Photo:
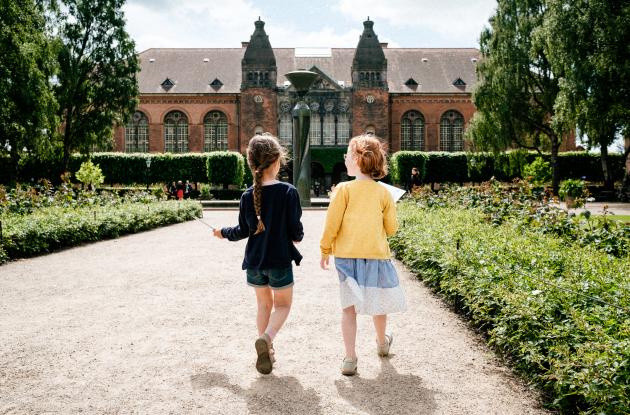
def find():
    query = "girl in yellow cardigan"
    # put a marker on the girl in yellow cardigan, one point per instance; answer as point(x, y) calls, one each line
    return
point(360, 217)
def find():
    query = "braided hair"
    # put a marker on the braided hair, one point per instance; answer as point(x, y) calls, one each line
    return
point(263, 151)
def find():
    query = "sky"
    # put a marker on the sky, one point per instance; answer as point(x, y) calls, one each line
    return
point(321, 23)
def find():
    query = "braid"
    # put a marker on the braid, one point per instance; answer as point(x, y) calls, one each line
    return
point(258, 199)
point(262, 152)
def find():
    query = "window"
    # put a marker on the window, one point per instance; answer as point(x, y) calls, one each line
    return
point(167, 84)
point(215, 131)
point(137, 134)
point(329, 129)
point(176, 132)
point(412, 131)
point(315, 132)
point(343, 129)
point(452, 131)
point(286, 130)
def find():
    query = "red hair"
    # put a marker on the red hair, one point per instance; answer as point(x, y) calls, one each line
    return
point(369, 151)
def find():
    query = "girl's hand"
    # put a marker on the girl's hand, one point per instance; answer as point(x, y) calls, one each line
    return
point(323, 263)
point(217, 233)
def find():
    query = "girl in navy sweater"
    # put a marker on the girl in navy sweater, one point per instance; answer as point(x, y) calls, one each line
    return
point(269, 216)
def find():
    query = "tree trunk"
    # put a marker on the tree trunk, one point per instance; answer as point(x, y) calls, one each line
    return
point(624, 192)
point(67, 139)
point(608, 180)
point(555, 168)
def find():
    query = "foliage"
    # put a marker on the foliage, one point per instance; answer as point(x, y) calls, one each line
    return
point(537, 172)
point(557, 310)
point(97, 73)
point(587, 41)
point(328, 157)
point(402, 162)
point(225, 168)
point(55, 227)
point(445, 167)
point(27, 102)
point(517, 87)
point(574, 188)
point(90, 174)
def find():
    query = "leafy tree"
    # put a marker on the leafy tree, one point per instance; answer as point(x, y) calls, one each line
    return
point(97, 78)
point(27, 102)
point(587, 41)
point(517, 88)
point(90, 174)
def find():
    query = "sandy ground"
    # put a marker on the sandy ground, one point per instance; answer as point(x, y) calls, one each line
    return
point(163, 322)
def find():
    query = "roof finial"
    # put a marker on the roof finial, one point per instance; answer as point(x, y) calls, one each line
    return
point(258, 18)
point(368, 18)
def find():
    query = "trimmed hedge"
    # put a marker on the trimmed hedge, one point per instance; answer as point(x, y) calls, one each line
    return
point(402, 162)
point(52, 228)
point(225, 168)
point(479, 167)
point(560, 313)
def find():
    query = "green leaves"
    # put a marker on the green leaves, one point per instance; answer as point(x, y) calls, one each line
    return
point(225, 168)
point(558, 310)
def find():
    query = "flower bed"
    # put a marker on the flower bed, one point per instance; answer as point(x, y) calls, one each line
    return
point(560, 311)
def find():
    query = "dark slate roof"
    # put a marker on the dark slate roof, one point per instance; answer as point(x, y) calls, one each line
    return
point(369, 54)
point(191, 75)
point(259, 51)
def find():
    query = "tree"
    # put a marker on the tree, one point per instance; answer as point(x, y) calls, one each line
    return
point(97, 78)
point(587, 41)
point(517, 88)
point(27, 102)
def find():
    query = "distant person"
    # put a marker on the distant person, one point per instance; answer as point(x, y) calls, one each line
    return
point(269, 217)
point(180, 190)
point(414, 181)
point(188, 189)
point(172, 190)
point(360, 217)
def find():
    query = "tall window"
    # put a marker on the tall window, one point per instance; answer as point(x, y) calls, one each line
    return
point(343, 129)
point(452, 131)
point(215, 131)
point(286, 129)
point(329, 129)
point(176, 132)
point(137, 134)
point(315, 132)
point(412, 131)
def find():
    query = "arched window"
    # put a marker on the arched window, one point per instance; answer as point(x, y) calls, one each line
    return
point(343, 129)
point(315, 132)
point(452, 131)
point(215, 131)
point(329, 129)
point(286, 129)
point(137, 134)
point(412, 131)
point(176, 132)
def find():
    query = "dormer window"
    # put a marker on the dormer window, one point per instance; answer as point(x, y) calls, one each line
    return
point(216, 84)
point(167, 84)
point(459, 82)
point(411, 83)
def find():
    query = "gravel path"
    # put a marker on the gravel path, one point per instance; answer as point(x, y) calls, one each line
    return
point(163, 322)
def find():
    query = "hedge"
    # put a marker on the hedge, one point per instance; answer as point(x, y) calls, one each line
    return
point(559, 313)
point(123, 168)
point(225, 168)
point(51, 228)
point(402, 162)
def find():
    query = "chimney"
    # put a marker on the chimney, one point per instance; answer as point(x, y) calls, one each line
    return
point(384, 45)
point(244, 44)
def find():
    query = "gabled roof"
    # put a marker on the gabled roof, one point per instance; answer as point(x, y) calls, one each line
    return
point(191, 75)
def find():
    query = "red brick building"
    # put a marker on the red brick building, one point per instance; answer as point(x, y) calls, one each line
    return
point(216, 99)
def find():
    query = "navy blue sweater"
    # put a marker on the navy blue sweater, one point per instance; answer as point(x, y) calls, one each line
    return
point(281, 213)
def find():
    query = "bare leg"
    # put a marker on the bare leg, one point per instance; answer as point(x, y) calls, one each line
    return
point(265, 304)
point(349, 331)
point(380, 324)
point(282, 300)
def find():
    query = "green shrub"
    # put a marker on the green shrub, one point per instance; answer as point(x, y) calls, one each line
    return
point(90, 174)
point(480, 166)
point(52, 228)
point(446, 167)
point(559, 312)
point(538, 172)
point(225, 168)
point(402, 162)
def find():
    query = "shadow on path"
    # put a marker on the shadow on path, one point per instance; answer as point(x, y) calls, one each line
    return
point(267, 394)
point(388, 393)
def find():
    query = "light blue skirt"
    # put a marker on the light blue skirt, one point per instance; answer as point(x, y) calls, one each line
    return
point(370, 285)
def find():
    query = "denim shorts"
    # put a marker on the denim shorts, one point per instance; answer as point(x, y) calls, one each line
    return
point(276, 278)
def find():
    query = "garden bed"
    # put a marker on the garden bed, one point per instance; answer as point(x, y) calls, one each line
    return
point(560, 311)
